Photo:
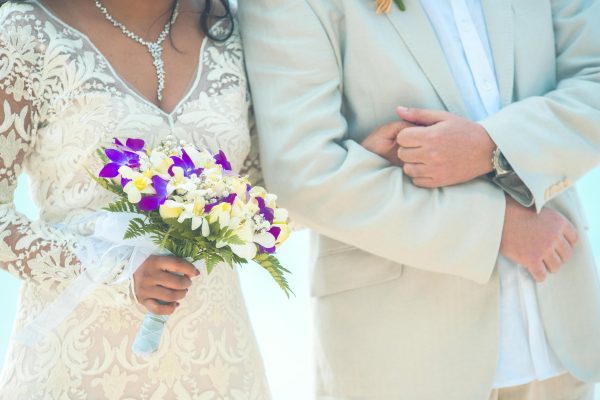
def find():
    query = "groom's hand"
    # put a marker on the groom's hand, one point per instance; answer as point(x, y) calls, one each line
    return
point(542, 242)
point(444, 149)
point(161, 282)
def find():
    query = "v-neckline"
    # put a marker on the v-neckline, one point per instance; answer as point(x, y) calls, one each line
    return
point(128, 86)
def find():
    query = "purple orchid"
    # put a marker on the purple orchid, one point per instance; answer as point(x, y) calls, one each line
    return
point(153, 202)
point(131, 144)
point(275, 231)
point(222, 160)
point(118, 159)
point(267, 213)
point(124, 182)
point(186, 164)
point(126, 156)
point(229, 199)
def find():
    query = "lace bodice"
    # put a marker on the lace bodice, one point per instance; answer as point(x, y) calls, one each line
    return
point(61, 100)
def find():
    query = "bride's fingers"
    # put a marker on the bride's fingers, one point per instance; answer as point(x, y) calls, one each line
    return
point(164, 294)
point(177, 265)
point(393, 129)
point(171, 281)
point(155, 307)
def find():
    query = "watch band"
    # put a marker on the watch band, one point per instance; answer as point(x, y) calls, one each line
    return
point(500, 163)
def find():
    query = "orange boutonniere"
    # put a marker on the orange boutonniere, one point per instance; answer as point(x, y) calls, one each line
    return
point(385, 6)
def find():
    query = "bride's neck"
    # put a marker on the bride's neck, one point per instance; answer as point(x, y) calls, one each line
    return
point(142, 13)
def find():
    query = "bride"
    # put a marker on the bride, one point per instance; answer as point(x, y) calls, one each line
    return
point(73, 74)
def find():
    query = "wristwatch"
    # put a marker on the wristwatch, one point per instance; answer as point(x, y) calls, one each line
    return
point(500, 163)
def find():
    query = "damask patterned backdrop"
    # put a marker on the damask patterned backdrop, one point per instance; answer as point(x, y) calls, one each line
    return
point(282, 326)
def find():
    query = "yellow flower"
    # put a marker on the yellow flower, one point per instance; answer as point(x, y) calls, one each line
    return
point(281, 216)
point(284, 235)
point(258, 191)
point(221, 213)
point(271, 200)
point(170, 210)
point(162, 168)
point(199, 204)
point(178, 176)
point(139, 184)
point(238, 187)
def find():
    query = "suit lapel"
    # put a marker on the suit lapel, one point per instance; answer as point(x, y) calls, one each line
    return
point(416, 31)
point(418, 35)
point(500, 27)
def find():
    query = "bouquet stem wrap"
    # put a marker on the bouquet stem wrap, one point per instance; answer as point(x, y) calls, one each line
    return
point(148, 337)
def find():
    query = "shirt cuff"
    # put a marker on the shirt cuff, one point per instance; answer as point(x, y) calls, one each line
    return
point(515, 188)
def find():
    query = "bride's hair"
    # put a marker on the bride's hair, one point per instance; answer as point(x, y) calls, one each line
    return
point(208, 18)
point(210, 14)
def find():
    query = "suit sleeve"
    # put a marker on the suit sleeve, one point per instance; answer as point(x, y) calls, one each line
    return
point(553, 140)
point(332, 184)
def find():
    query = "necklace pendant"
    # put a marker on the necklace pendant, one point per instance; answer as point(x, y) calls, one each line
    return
point(155, 50)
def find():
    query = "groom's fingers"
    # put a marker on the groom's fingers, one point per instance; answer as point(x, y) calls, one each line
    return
point(538, 272)
point(411, 155)
point(414, 170)
point(411, 137)
point(427, 183)
point(420, 116)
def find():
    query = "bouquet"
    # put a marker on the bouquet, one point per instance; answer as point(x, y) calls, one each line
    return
point(190, 203)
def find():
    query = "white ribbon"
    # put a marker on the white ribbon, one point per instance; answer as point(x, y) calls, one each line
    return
point(101, 255)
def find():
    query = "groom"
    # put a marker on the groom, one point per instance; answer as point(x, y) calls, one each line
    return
point(462, 272)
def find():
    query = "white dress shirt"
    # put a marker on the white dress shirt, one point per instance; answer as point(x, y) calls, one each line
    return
point(525, 354)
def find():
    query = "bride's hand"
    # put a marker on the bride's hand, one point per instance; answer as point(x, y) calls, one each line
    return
point(382, 141)
point(161, 282)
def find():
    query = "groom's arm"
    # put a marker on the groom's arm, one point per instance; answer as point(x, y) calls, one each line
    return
point(553, 140)
point(550, 140)
point(333, 184)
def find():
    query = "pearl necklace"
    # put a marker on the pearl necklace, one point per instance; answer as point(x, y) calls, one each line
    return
point(155, 48)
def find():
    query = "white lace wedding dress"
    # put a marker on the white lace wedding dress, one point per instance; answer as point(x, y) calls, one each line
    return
point(61, 100)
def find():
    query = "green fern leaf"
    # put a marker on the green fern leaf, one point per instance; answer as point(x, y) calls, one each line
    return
point(102, 155)
point(136, 228)
point(212, 259)
point(122, 206)
point(276, 270)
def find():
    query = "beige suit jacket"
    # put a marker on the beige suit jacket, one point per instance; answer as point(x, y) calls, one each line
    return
point(404, 278)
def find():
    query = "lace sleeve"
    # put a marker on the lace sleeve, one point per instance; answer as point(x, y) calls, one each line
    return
point(30, 250)
point(27, 249)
